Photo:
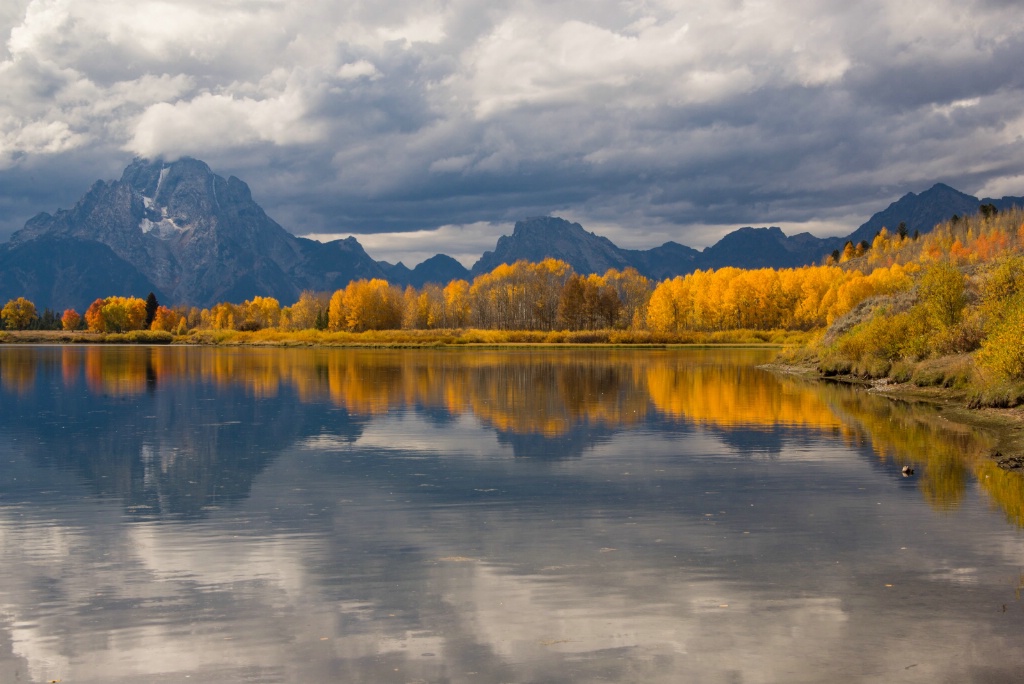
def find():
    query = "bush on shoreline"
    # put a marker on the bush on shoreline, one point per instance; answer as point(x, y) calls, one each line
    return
point(960, 327)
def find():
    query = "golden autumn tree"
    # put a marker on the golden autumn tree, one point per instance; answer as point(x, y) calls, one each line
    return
point(121, 314)
point(310, 311)
point(18, 314)
point(368, 305)
point(94, 316)
point(664, 308)
point(519, 296)
point(424, 310)
point(116, 314)
point(71, 320)
point(220, 316)
point(258, 313)
point(943, 292)
point(457, 306)
point(166, 319)
point(337, 317)
point(764, 299)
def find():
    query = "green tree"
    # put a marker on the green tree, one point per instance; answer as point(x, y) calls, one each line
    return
point(49, 320)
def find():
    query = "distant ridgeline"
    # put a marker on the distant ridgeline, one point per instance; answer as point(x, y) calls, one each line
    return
point(194, 238)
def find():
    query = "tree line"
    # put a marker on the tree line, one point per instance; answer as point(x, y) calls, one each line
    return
point(542, 296)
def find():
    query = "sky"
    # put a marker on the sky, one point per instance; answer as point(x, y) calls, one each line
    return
point(432, 126)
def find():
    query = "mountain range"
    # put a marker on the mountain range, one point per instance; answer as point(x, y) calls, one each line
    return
point(192, 237)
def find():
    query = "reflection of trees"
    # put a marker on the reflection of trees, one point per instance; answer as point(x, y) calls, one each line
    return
point(1005, 488)
point(117, 371)
point(944, 454)
point(18, 370)
point(524, 393)
point(541, 402)
point(727, 394)
point(550, 396)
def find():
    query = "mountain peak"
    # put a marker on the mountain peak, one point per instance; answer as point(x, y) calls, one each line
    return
point(197, 237)
point(542, 237)
point(534, 224)
point(920, 212)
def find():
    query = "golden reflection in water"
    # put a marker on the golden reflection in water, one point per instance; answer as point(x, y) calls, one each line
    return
point(70, 366)
point(731, 395)
point(18, 370)
point(117, 374)
point(549, 392)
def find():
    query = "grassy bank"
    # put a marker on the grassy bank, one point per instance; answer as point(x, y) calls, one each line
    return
point(84, 337)
point(416, 338)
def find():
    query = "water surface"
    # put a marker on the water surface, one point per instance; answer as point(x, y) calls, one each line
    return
point(221, 515)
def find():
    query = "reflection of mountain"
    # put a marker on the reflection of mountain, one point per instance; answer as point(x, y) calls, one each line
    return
point(167, 448)
point(570, 444)
point(756, 442)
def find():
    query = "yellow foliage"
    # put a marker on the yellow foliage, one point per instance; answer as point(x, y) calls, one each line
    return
point(1002, 352)
point(18, 313)
point(765, 299)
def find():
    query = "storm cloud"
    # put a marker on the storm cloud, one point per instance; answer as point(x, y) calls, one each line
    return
point(422, 127)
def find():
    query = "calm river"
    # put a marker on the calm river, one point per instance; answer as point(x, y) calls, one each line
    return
point(479, 516)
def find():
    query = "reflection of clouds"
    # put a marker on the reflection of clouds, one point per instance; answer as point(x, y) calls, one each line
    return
point(220, 559)
point(237, 598)
point(408, 431)
point(503, 611)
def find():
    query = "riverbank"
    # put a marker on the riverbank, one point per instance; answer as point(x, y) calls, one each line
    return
point(1005, 425)
point(417, 338)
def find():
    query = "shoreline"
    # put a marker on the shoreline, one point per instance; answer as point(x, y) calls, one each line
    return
point(414, 339)
point(1006, 425)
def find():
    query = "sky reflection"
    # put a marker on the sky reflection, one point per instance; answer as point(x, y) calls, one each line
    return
point(207, 530)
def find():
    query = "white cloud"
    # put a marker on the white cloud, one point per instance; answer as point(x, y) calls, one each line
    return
point(360, 69)
point(38, 137)
point(214, 122)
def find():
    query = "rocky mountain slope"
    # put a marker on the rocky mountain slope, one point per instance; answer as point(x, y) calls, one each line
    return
point(193, 237)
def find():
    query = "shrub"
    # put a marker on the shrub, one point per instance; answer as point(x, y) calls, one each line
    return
point(953, 371)
point(1002, 353)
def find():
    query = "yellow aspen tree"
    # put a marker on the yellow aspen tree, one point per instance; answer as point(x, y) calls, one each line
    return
point(337, 315)
point(456, 304)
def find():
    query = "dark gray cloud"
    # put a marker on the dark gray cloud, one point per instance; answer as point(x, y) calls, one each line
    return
point(645, 121)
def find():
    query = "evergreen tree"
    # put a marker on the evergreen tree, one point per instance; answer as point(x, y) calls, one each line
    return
point(151, 306)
